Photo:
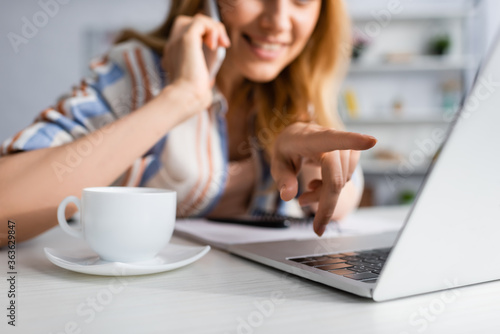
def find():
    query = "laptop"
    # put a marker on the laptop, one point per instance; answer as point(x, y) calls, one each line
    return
point(449, 236)
point(451, 232)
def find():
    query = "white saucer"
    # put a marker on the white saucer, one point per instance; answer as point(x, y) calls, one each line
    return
point(87, 262)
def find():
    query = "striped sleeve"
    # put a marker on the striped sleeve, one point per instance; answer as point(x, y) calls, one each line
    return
point(75, 115)
point(122, 81)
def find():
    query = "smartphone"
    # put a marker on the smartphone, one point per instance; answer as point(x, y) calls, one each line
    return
point(215, 58)
point(263, 219)
point(256, 221)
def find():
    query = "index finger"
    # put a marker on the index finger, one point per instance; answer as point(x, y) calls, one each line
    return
point(333, 140)
point(211, 30)
point(333, 182)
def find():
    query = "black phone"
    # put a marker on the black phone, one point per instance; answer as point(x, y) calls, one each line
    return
point(262, 219)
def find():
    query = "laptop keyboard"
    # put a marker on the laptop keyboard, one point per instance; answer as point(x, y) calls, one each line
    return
point(361, 266)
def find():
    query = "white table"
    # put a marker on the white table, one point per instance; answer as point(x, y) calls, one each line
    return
point(222, 293)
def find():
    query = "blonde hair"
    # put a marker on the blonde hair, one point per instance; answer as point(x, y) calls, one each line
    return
point(306, 90)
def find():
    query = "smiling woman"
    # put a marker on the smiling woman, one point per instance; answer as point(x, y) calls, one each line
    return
point(292, 54)
point(229, 147)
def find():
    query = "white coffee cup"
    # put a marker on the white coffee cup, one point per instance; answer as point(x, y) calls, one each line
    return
point(123, 224)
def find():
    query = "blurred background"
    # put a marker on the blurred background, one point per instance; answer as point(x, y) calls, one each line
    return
point(413, 62)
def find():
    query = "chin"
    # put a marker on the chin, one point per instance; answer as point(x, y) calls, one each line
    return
point(261, 74)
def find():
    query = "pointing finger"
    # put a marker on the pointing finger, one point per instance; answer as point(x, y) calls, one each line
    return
point(333, 182)
point(332, 140)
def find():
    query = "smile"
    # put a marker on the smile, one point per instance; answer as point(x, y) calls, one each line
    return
point(263, 49)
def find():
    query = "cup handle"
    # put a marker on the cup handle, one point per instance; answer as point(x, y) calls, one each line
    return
point(75, 232)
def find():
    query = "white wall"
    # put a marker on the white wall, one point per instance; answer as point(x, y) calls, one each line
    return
point(52, 61)
point(492, 19)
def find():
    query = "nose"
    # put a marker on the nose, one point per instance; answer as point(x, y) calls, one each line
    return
point(276, 15)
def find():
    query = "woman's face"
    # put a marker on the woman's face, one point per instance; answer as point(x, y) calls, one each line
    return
point(267, 35)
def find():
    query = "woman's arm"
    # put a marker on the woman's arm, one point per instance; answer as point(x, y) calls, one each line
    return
point(32, 188)
point(33, 183)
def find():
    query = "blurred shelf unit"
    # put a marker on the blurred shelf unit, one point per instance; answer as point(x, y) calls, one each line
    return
point(416, 64)
point(398, 121)
point(412, 61)
point(412, 65)
point(409, 56)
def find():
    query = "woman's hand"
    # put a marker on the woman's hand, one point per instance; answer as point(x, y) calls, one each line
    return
point(183, 56)
point(336, 152)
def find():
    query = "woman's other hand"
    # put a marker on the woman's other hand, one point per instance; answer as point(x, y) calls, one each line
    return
point(184, 60)
point(335, 152)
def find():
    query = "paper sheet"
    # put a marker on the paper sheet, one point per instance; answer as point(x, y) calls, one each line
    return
point(220, 235)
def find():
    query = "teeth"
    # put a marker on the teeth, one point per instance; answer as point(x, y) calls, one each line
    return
point(267, 46)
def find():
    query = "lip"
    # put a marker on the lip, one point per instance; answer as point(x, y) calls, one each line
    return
point(266, 40)
point(275, 49)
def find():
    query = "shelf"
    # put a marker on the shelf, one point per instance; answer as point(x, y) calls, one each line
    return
point(395, 121)
point(387, 167)
point(419, 64)
point(415, 15)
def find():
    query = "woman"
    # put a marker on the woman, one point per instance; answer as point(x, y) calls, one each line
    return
point(150, 117)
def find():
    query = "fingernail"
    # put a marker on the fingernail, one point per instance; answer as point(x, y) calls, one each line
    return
point(282, 189)
point(321, 230)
